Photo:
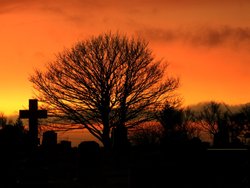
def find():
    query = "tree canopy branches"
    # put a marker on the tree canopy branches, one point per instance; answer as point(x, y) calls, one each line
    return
point(109, 80)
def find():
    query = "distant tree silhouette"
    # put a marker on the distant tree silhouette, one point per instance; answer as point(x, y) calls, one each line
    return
point(240, 124)
point(246, 111)
point(190, 125)
point(146, 135)
point(179, 123)
point(3, 120)
point(209, 117)
point(19, 123)
point(172, 120)
point(13, 137)
point(109, 81)
point(215, 122)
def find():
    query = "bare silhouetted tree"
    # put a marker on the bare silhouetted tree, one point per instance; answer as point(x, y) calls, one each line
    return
point(246, 111)
point(149, 134)
point(179, 123)
point(215, 121)
point(240, 124)
point(3, 120)
point(209, 116)
point(107, 81)
point(190, 124)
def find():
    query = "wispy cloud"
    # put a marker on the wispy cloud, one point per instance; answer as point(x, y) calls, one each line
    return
point(74, 11)
point(10, 6)
point(121, 14)
point(201, 36)
point(54, 6)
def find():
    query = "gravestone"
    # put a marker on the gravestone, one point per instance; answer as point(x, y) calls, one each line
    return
point(88, 151)
point(33, 114)
point(65, 145)
point(89, 154)
point(120, 138)
point(49, 139)
point(88, 162)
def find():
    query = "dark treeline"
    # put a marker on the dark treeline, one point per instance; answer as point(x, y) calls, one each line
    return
point(159, 153)
point(171, 154)
point(218, 124)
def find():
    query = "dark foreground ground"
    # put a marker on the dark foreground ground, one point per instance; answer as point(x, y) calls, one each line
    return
point(138, 167)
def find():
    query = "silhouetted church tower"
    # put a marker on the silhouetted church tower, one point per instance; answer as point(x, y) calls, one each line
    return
point(33, 114)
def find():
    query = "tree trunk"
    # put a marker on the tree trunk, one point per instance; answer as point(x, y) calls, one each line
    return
point(106, 139)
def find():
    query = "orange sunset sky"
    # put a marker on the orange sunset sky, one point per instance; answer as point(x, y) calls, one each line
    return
point(205, 42)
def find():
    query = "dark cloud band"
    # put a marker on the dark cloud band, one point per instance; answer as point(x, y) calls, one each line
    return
point(201, 36)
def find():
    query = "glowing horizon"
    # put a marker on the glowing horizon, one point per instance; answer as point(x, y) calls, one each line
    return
point(205, 43)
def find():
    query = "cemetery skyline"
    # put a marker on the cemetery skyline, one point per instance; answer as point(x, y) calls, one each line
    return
point(206, 43)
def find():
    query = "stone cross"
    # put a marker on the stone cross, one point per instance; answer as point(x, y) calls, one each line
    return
point(33, 114)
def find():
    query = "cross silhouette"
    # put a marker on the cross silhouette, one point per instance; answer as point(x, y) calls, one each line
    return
point(33, 114)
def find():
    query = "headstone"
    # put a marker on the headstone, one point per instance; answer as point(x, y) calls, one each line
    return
point(49, 139)
point(33, 114)
point(89, 153)
point(88, 150)
point(88, 161)
point(120, 138)
point(65, 146)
